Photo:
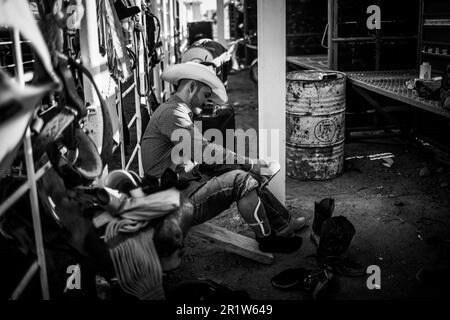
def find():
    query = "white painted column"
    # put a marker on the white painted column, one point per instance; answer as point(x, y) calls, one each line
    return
point(165, 37)
point(156, 10)
point(31, 176)
point(171, 32)
point(272, 87)
point(220, 22)
point(139, 77)
point(139, 51)
point(183, 26)
point(226, 22)
point(91, 59)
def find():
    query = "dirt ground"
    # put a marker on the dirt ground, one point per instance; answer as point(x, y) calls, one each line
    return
point(402, 222)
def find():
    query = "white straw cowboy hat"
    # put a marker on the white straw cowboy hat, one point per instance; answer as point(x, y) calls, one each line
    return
point(198, 72)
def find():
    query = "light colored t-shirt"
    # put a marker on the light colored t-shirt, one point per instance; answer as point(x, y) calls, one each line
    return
point(158, 141)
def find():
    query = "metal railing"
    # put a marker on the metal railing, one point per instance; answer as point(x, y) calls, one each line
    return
point(161, 90)
point(29, 186)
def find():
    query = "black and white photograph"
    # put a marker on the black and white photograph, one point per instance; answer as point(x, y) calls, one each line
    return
point(228, 159)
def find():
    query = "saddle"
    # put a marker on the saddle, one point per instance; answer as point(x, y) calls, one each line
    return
point(56, 129)
point(17, 105)
point(75, 159)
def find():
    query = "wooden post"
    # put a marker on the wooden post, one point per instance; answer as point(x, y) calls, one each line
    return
point(90, 56)
point(123, 160)
point(183, 26)
point(245, 4)
point(335, 34)
point(272, 87)
point(232, 242)
point(220, 22)
point(378, 45)
point(171, 32)
point(139, 74)
point(31, 177)
point(330, 35)
point(165, 39)
point(420, 34)
point(139, 51)
point(156, 10)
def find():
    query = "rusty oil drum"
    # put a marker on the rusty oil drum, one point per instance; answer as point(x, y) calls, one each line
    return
point(315, 124)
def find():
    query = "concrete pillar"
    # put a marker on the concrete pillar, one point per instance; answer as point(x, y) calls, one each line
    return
point(220, 22)
point(272, 87)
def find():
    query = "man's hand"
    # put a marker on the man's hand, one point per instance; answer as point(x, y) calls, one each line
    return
point(264, 170)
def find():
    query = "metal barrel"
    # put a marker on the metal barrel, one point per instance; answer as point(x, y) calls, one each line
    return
point(315, 124)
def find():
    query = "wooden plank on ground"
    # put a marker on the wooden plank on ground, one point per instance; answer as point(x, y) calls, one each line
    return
point(232, 242)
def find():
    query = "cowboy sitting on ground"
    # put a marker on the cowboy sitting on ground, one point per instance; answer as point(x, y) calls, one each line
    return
point(225, 184)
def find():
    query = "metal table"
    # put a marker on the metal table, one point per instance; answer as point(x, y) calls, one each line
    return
point(314, 62)
point(392, 84)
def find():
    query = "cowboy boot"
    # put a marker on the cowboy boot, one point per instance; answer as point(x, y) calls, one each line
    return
point(280, 218)
point(277, 244)
point(322, 211)
point(335, 239)
point(316, 281)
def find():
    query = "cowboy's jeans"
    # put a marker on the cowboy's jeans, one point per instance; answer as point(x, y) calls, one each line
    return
point(220, 185)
